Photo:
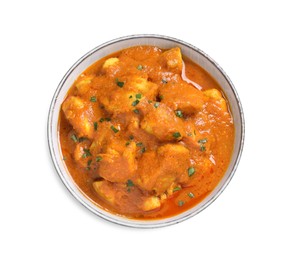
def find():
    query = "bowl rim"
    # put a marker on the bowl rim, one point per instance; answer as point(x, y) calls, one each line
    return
point(126, 221)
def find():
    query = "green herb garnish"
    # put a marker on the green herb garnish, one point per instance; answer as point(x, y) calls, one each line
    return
point(176, 135)
point(93, 99)
point(131, 137)
point(86, 153)
point(98, 158)
point(127, 143)
point(136, 111)
point(176, 189)
point(82, 139)
point(164, 81)
point(191, 195)
point(157, 104)
point(89, 162)
point(139, 144)
point(178, 113)
point(143, 149)
point(104, 119)
point(134, 103)
point(161, 97)
point(180, 203)
point(114, 129)
point(74, 138)
point(203, 141)
point(95, 125)
point(191, 171)
point(119, 83)
point(138, 96)
point(130, 183)
point(139, 67)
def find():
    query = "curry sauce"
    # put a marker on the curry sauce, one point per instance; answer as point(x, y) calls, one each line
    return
point(146, 133)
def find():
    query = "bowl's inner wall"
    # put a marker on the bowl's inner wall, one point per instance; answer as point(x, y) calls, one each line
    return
point(189, 51)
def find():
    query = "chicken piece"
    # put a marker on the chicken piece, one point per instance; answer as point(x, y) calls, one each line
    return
point(83, 83)
point(216, 94)
point(82, 154)
point(174, 159)
point(111, 66)
point(125, 99)
point(162, 122)
point(80, 114)
point(141, 85)
point(172, 59)
point(119, 101)
point(141, 52)
point(182, 96)
point(170, 163)
point(110, 62)
point(105, 190)
point(150, 203)
point(118, 168)
point(119, 196)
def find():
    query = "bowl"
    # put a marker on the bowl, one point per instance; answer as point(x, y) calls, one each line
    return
point(188, 50)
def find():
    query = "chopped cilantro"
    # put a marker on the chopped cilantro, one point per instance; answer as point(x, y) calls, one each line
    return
point(93, 99)
point(98, 158)
point(191, 171)
point(134, 103)
point(114, 129)
point(191, 195)
point(74, 138)
point(95, 125)
point(138, 96)
point(156, 104)
point(180, 203)
point(86, 153)
point(176, 135)
point(119, 83)
point(178, 113)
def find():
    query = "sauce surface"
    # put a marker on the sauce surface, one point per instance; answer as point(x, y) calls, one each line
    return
point(146, 133)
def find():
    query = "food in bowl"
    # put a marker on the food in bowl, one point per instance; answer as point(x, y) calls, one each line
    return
point(146, 133)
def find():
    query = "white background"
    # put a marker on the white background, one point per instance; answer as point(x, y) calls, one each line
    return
point(254, 43)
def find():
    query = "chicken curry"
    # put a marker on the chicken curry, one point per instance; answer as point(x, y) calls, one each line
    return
point(146, 133)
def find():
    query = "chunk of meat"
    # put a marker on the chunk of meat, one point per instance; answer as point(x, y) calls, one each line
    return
point(125, 99)
point(80, 153)
point(150, 203)
point(105, 190)
point(80, 114)
point(83, 83)
point(141, 85)
point(115, 167)
point(162, 122)
point(172, 59)
point(216, 95)
point(110, 62)
point(119, 196)
point(119, 101)
point(170, 163)
point(182, 96)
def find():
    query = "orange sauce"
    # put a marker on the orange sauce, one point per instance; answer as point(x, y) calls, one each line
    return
point(154, 144)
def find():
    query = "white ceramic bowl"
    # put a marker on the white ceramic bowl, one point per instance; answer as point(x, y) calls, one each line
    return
point(165, 42)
